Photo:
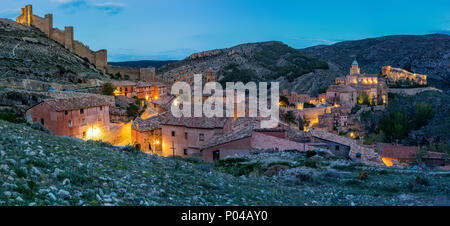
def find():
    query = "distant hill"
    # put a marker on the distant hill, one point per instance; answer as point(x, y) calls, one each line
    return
point(26, 52)
point(425, 54)
point(142, 63)
point(263, 61)
point(310, 69)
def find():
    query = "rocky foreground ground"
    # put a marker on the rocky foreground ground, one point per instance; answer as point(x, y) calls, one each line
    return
point(40, 169)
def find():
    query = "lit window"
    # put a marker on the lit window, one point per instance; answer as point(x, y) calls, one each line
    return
point(99, 118)
point(201, 137)
point(70, 123)
point(83, 122)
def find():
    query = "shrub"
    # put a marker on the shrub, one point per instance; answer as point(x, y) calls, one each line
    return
point(130, 148)
point(363, 175)
point(108, 89)
point(310, 153)
point(422, 180)
point(10, 116)
point(311, 163)
point(133, 110)
point(305, 177)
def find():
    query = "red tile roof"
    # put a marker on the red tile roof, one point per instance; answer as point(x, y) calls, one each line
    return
point(397, 151)
point(196, 122)
point(76, 103)
point(148, 124)
point(234, 135)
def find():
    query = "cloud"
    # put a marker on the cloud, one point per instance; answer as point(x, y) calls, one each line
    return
point(109, 7)
point(72, 6)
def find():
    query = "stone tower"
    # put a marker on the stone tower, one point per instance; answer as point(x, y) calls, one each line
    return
point(210, 77)
point(26, 16)
point(354, 70)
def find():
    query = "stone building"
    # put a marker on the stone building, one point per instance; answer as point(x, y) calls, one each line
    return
point(81, 117)
point(143, 90)
point(337, 119)
point(394, 75)
point(398, 155)
point(341, 95)
point(210, 77)
point(246, 139)
point(372, 85)
point(64, 37)
point(185, 136)
point(346, 147)
point(141, 74)
point(147, 135)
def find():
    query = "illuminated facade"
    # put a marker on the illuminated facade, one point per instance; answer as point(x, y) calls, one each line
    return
point(374, 86)
point(394, 75)
point(86, 118)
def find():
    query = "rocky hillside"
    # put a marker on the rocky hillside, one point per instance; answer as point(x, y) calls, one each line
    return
point(247, 62)
point(26, 52)
point(40, 169)
point(425, 54)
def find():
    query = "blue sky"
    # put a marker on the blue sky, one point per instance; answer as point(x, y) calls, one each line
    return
point(173, 29)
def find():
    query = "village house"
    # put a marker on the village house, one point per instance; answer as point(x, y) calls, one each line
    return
point(346, 147)
point(246, 139)
point(393, 154)
point(142, 90)
point(162, 104)
point(337, 119)
point(124, 88)
point(341, 95)
point(185, 136)
point(81, 117)
point(147, 134)
point(395, 75)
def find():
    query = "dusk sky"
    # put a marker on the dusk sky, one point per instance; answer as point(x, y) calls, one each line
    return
point(173, 29)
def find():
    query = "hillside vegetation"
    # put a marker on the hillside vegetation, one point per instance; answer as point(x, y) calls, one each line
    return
point(263, 61)
point(41, 169)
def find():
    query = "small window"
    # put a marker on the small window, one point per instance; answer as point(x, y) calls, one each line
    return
point(66, 112)
point(185, 151)
point(99, 118)
point(337, 147)
point(83, 122)
point(84, 134)
point(201, 137)
point(42, 121)
point(173, 133)
point(70, 123)
point(101, 108)
point(185, 136)
point(81, 111)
